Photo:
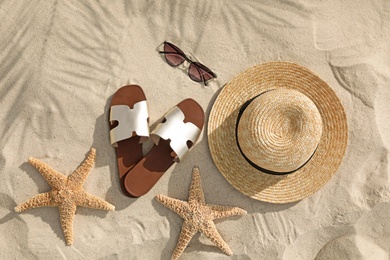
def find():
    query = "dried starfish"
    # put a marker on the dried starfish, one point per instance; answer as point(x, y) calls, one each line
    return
point(198, 216)
point(66, 194)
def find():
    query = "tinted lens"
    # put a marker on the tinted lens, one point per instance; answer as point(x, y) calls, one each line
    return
point(173, 55)
point(199, 72)
point(195, 73)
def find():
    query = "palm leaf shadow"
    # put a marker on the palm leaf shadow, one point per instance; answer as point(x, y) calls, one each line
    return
point(44, 59)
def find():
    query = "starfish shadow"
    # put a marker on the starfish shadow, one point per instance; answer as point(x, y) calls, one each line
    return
point(37, 178)
point(7, 202)
point(51, 216)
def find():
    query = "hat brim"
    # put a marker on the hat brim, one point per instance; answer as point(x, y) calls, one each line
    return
point(236, 169)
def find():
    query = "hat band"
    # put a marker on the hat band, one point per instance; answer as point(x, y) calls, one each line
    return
point(242, 109)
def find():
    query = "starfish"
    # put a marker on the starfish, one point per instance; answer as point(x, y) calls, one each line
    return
point(198, 216)
point(66, 194)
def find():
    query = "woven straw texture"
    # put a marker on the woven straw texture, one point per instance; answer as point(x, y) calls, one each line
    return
point(307, 179)
point(280, 130)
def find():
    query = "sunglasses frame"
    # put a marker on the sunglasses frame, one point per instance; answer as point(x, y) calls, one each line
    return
point(197, 65)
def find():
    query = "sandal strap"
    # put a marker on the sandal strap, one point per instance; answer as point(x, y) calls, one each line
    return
point(129, 121)
point(176, 131)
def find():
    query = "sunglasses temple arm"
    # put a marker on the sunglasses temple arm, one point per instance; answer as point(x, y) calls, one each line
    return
point(169, 52)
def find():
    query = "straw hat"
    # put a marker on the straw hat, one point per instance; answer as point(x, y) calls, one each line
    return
point(277, 132)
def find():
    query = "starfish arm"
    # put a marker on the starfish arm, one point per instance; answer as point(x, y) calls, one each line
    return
point(40, 200)
point(196, 190)
point(187, 232)
point(211, 232)
point(91, 201)
point(67, 212)
point(55, 179)
point(78, 177)
point(219, 211)
point(178, 206)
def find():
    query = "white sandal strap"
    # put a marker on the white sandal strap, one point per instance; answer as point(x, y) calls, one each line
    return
point(177, 131)
point(129, 121)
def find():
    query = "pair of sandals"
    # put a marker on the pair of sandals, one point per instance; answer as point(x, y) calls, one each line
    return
point(129, 128)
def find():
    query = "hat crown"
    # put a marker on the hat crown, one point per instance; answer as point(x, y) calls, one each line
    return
point(279, 130)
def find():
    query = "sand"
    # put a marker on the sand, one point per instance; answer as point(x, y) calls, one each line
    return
point(61, 61)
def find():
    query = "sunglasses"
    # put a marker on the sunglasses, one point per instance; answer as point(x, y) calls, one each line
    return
point(197, 71)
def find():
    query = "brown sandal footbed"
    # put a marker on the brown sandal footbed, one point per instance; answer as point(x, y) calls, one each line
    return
point(145, 174)
point(129, 151)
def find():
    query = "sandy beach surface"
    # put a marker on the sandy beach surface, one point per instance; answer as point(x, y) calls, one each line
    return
point(61, 62)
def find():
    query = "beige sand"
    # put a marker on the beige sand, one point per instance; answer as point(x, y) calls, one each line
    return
point(60, 61)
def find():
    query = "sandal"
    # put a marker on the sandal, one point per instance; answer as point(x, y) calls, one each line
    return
point(129, 127)
point(172, 139)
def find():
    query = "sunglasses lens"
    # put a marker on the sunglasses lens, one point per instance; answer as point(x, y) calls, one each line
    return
point(198, 72)
point(174, 56)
